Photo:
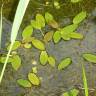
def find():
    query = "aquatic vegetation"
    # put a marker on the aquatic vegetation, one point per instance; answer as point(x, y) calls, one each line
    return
point(51, 61)
point(75, 1)
point(24, 83)
point(16, 25)
point(72, 92)
point(43, 57)
point(89, 57)
point(33, 78)
point(64, 63)
point(85, 81)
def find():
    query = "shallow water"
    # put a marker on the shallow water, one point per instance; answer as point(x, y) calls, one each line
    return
point(54, 82)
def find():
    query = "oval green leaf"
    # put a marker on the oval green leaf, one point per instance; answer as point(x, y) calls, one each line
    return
point(16, 62)
point(79, 17)
point(24, 83)
point(38, 44)
point(43, 57)
point(51, 61)
point(16, 45)
point(56, 36)
point(64, 63)
point(48, 17)
point(27, 32)
point(90, 57)
point(33, 79)
point(76, 35)
point(40, 20)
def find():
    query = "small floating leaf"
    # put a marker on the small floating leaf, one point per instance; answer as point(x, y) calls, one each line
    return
point(56, 36)
point(15, 46)
point(48, 17)
point(75, 1)
point(76, 35)
point(35, 24)
point(40, 20)
point(38, 44)
point(27, 32)
point(64, 63)
point(90, 57)
point(43, 57)
point(48, 36)
point(53, 24)
point(34, 69)
point(24, 83)
point(2, 59)
point(68, 29)
point(79, 17)
point(16, 62)
point(51, 61)
point(33, 79)
point(73, 92)
point(27, 45)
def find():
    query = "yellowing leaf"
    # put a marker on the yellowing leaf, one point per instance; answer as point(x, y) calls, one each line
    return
point(24, 83)
point(15, 46)
point(34, 69)
point(48, 17)
point(40, 20)
point(43, 57)
point(27, 32)
point(27, 45)
point(48, 36)
point(90, 57)
point(16, 62)
point(76, 35)
point(64, 63)
point(79, 17)
point(51, 61)
point(75, 1)
point(53, 24)
point(38, 44)
point(56, 36)
point(33, 79)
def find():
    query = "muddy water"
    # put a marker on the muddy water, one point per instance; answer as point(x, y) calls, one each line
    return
point(54, 82)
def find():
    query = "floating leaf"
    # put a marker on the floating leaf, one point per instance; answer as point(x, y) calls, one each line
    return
point(73, 92)
point(35, 24)
point(27, 32)
point(68, 29)
point(16, 62)
point(56, 36)
point(24, 83)
point(33, 79)
point(75, 1)
point(75, 35)
point(38, 44)
point(48, 36)
point(64, 63)
point(65, 32)
point(34, 69)
point(90, 57)
point(79, 17)
point(43, 57)
point(40, 20)
point(2, 59)
point(15, 46)
point(51, 61)
point(48, 17)
point(53, 24)
point(27, 45)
